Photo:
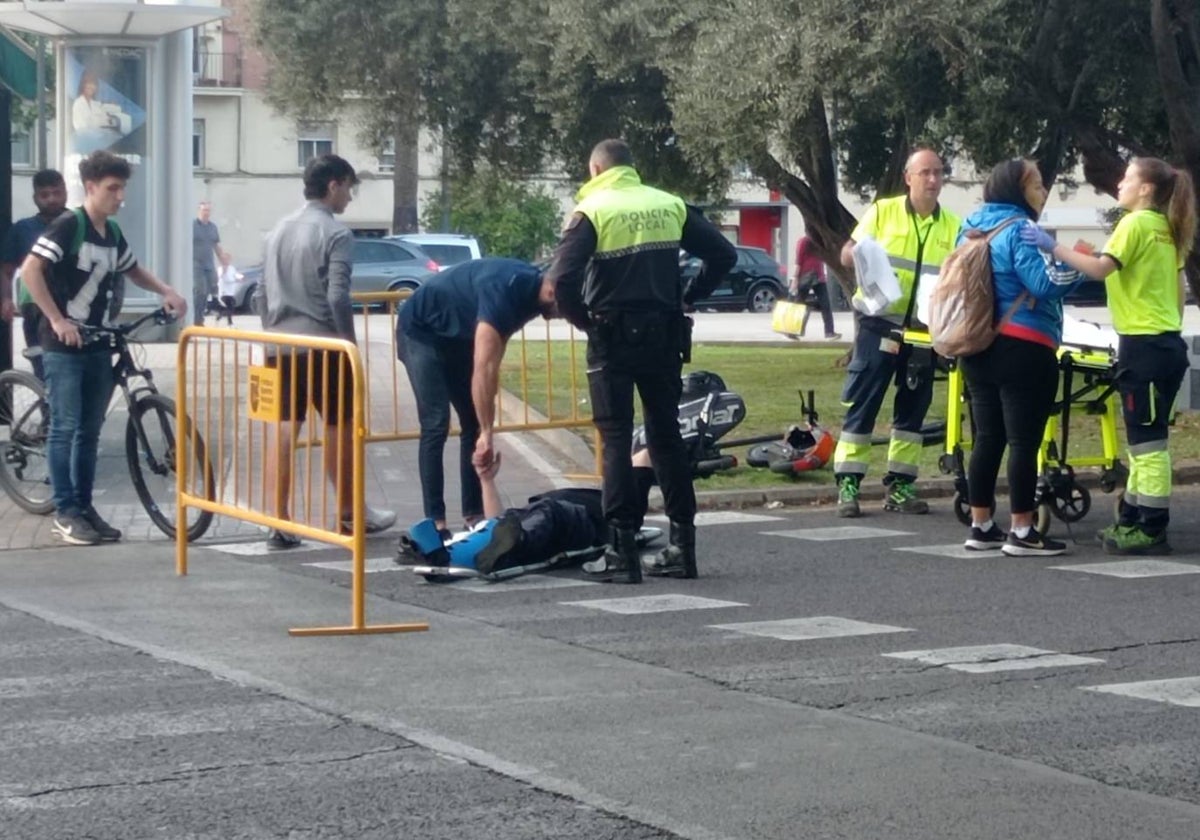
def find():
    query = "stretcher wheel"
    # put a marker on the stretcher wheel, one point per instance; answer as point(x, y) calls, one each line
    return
point(947, 463)
point(1042, 520)
point(962, 510)
point(1075, 505)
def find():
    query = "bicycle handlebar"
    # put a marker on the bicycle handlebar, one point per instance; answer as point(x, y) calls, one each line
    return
point(93, 334)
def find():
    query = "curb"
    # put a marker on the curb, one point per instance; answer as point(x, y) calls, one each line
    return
point(812, 495)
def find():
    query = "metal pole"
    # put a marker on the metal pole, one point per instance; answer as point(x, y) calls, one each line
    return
point(40, 46)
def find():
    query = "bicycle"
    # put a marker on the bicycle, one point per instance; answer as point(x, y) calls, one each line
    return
point(150, 435)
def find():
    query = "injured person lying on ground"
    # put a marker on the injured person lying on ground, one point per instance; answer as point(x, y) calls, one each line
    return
point(557, 529)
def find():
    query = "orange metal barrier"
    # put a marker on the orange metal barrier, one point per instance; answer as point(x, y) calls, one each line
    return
point(246, 413)
point(541, 371)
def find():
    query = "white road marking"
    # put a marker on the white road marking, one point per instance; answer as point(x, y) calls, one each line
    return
point(844, 532)
point(527, 582)
point(1184, 691)
point(985, 659)
point(1133, 568)
point(806, 629)
point(259, 547)
point(653, 604)
point(956, 550)
point(721, 517)
point(371, 565)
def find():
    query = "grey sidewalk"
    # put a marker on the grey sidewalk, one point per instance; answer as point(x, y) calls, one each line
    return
point(392, 475)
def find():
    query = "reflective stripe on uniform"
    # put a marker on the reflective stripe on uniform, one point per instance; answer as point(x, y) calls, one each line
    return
point(1148, 447)
point(1150, 477)
point(852, 454)
point(904, 454)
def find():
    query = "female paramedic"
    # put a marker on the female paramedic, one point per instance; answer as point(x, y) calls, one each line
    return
point(1142, 268)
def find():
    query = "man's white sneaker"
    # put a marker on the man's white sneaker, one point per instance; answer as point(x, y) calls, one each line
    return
point(376, 520)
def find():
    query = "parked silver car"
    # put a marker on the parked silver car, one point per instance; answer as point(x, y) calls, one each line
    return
point(380, 265)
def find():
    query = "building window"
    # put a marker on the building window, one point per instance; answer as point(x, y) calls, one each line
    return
point(387, 156)
point(197, 144)
point(313, 139)
point(22, 147)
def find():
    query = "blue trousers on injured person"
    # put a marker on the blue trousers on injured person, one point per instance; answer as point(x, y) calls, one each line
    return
point(555, 529)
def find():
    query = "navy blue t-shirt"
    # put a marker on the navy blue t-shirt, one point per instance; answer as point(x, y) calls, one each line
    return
point(20, 238)
point(496, 290)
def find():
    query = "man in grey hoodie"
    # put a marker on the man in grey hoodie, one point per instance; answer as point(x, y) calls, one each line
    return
point(306, 291)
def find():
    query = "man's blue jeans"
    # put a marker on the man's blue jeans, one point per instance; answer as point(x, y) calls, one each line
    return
point(440, 374)
point(79, 387)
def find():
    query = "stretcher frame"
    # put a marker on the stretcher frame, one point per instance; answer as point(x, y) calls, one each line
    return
point(1087, 380)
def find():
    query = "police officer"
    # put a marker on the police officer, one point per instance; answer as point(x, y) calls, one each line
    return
point(918, 234)
point(616, 271)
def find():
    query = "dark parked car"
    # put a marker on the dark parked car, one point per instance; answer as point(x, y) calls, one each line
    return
point(755, 283)
point(379, 266)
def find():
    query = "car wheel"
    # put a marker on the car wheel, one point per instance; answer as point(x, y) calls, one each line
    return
point(762, 297)
point(403, 286)
point(247, 303)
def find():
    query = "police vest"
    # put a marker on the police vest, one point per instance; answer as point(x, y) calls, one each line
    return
point(912, 244)
point(638, 229)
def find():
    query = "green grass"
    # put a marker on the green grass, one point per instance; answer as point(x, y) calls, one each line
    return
point(769, 378)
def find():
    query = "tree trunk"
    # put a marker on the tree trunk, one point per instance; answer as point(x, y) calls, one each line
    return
point(405, 176)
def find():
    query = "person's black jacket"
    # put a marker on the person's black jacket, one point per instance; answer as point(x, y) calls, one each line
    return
point(643, 281)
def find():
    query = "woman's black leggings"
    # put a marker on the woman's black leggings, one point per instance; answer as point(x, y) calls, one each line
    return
point(1012, 387)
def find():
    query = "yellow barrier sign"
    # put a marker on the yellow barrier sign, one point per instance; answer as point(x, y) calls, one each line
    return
point(265, 394)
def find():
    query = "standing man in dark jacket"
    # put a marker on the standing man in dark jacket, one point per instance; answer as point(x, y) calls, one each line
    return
point(616, 274)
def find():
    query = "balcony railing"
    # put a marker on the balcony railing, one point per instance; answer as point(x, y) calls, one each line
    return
point(217, 69)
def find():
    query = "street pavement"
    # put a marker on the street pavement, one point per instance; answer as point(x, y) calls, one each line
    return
point(824, 678)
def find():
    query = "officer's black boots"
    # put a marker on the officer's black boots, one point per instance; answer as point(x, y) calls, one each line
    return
point(679, 558)
point(621, 562)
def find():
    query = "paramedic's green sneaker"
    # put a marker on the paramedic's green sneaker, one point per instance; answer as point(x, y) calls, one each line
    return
point(1134, 540)
point(848, 497)
point(902, 498)
point(1104, 535)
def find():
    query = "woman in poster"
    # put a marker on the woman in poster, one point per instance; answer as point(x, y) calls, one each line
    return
point(96, 124)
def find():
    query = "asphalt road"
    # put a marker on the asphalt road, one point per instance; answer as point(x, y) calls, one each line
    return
point(1076, 673)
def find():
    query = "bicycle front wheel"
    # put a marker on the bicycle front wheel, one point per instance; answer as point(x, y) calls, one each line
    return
point(150, 439)
point(24, 471)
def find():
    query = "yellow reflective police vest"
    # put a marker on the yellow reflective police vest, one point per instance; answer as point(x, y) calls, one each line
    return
point(628, 216)
point(911, 243)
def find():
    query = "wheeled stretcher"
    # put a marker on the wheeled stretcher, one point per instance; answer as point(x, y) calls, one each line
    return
point(1087, 382)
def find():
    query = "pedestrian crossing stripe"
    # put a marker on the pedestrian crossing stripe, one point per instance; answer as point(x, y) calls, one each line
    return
point(722, 517)
point(372, 565)
point(258, 548)
point(987, 659)
point(844, 532)
point(1183, 691)
point(521, 584)
point(808, 629)
point(1133, 568)
point(653, 604)
point(956, 551)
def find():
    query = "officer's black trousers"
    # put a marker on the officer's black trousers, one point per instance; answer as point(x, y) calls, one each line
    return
point(642, 352)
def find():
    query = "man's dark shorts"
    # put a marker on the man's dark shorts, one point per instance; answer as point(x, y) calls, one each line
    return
point(331, 393)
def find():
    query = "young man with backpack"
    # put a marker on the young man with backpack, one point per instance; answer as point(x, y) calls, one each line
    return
point(72, 273)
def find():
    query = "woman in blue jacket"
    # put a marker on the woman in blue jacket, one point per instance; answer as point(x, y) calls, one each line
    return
point(1012, 384)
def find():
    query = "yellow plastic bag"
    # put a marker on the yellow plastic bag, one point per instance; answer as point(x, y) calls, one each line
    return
point(788, 318)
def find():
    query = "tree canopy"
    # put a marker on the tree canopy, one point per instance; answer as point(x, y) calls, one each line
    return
point(813, 97)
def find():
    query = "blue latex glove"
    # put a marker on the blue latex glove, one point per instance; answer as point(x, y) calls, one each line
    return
point(1037, 237)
